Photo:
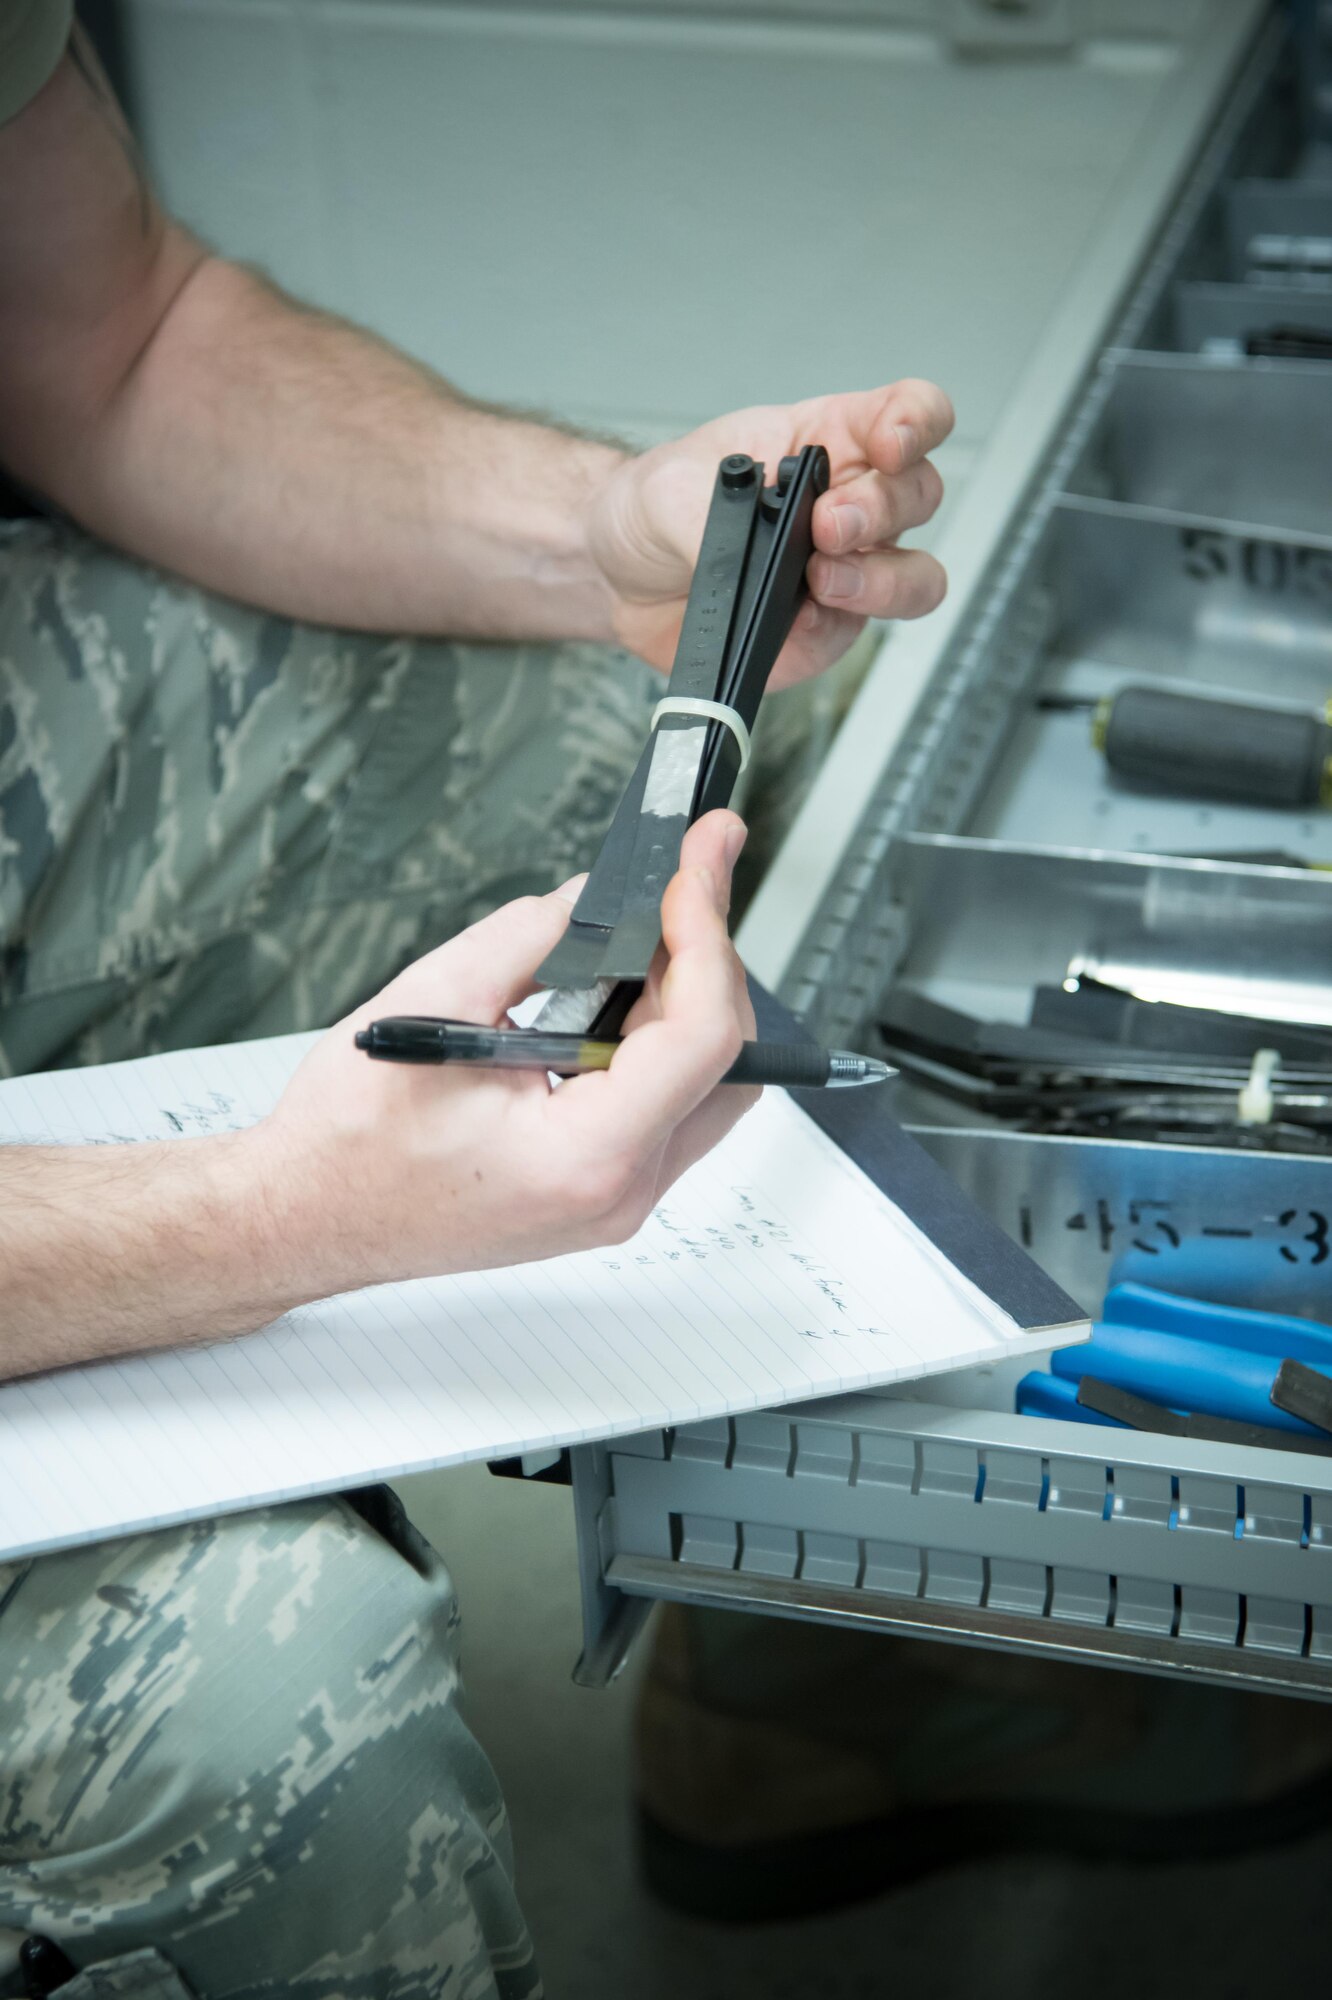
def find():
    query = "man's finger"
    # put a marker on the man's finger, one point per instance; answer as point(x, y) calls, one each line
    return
point(488, 968)
point(716, 843)
point(703, 1129)
point(818, 640)
point(897, 583)
point(884, 430)
point(912, 420)
point(872, 511)
point(668, 1066)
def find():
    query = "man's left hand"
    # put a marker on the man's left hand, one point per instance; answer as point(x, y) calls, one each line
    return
point(647, 520)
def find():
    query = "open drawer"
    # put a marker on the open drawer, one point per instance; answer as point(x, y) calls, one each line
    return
point(1176, 534)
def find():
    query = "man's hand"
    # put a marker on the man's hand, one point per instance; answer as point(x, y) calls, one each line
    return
point(366, 1172)
point(647, 520)
point(406, 1172)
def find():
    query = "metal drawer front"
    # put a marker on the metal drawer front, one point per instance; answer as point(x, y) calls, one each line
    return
point(1164, 1554)
point(1178, 534)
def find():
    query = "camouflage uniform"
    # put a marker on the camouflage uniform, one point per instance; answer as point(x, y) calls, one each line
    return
point(215, 823)
point(233, 1764)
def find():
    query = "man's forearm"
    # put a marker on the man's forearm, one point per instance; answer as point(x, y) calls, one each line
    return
point(283, 457)
point(186, 411)
point(109, 1250)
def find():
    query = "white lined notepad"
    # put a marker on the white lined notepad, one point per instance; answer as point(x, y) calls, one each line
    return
point(774, 1271)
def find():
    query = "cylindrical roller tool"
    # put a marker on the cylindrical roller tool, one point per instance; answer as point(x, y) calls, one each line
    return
point(1187, 744)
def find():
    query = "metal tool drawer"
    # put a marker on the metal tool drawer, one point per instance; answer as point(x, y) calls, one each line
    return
point(983, 1528)
point(1176, 530)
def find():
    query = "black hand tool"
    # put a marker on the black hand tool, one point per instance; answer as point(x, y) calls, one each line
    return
point(748, 586)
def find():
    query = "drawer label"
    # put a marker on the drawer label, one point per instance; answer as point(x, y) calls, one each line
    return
point(1276, 569)
point(1298, 1235)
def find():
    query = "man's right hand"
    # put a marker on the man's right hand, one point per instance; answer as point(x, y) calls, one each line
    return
point(377, 1171)
point(365, 1172)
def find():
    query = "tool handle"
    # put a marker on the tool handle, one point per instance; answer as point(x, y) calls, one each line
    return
point(1185, 1374)
point(1282, 1336)
point(1190, 744)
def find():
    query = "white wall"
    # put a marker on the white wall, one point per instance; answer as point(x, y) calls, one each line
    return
point(637, 217)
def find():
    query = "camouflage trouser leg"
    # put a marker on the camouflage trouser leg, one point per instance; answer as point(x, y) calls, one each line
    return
point(214, 823)
point(232, 1765)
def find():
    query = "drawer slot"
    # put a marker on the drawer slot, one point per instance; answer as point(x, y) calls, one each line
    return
point(988, 921)
point(1132, 594)
point(1278, 226)
point(1208, 317)
point(1244, 442)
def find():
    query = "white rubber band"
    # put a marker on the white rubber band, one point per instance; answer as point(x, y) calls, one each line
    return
point(711, 711)
point(1255, 1099)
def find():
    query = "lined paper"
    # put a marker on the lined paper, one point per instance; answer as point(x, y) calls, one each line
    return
point(774, 1271)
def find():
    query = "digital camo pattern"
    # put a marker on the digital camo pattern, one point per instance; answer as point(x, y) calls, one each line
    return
point(140, 1975)
point(238, 1744)
point(213, 824)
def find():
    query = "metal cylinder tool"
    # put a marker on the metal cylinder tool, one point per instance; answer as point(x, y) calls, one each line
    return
point(1185, 743)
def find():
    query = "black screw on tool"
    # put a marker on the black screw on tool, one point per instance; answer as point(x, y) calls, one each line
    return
point(737, 471)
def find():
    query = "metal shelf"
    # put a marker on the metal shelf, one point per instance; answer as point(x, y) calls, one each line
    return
point(1175, 528)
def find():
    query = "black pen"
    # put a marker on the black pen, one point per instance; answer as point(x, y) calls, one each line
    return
point(411, 1038)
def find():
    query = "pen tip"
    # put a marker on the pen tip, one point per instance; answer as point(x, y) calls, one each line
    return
point(363, 1038)
point(845, 1069)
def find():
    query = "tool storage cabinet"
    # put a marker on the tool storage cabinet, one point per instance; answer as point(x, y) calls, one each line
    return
point(1176, 529)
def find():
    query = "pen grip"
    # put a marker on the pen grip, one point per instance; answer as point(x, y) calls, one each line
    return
point(792, 1065)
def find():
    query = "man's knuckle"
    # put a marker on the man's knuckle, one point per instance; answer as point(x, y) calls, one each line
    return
point(721, 1041)
point(602, 1184)
point(889, 522)
point(487, 999)
point(919, 590)
point(888, 594)
point(626, 1218)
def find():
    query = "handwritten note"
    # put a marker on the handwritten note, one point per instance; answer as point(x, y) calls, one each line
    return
point(774, 1271)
